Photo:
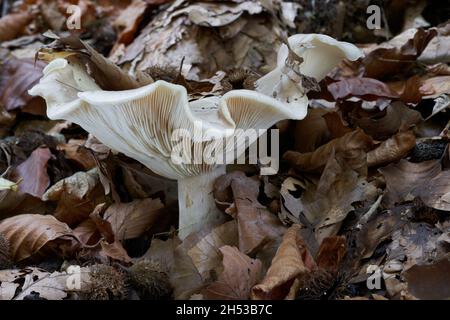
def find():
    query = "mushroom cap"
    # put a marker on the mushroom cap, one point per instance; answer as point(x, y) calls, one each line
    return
point(320, 54)
point(142, 122)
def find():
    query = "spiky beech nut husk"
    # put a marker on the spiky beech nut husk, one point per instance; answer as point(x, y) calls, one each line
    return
point(5, 255)
point(106, 283)
point(150, 282)
point(165, 73)
point(239, 79)
point(322, 285)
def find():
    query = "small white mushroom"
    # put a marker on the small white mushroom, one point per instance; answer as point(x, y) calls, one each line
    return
point(149, 123)
point(320, 54)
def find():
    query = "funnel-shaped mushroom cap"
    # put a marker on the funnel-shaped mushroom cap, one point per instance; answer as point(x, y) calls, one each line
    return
point(320, 54)
point(147, 123)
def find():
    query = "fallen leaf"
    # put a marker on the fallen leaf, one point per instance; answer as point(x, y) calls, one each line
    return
point(315, 161)
point(401, 179)
point(399, 55)
point(131, 220)
point(392, 150)
point(13, 25)
point(256, 224)
point(205, 253)
point(128, 21)
point(76, 196)
point(32, 174)
point(16, 78)
point(430, 282)
point(331, 253)
point(415, 243)
point(77, 152)
point(240, 274)
point(365, 88)
point(381, 125)
point(27, 234)
point(291, 261)
point(115, 251)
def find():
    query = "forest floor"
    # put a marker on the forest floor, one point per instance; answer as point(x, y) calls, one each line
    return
point(360, 206)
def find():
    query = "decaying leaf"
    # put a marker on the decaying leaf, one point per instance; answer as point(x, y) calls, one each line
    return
point(291, 261)
point(76, 196)
point(27, 234)
point(13, 25)
point(315, 161)
point(32, 174)
point(256, 224)
point(331, 253)
point(240, 274)
point(16, 77)
point(430, 282)
point(131, 220)
point(392, 150)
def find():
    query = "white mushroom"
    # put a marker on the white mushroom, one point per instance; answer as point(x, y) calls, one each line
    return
point(148, 124)
point(320, 54)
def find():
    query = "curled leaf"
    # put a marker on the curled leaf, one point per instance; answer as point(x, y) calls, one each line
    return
point(291, 261)
point(240, 274)
point(27, 234)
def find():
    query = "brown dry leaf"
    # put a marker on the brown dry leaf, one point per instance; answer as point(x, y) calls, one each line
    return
point(365, 88)
point(87, 232)
point(339, 187)
point(128, 21)
point(335, 125)
point(315, 161)
point(331, 253)
point(210, 36)
point(32, 173)
point(311, 132)
point(162, 253)
point(291, 261)
point(401, 179)
point(205, 253)
point(15, 202)
point(392, 150)
point(240, 274)
point(436, 192)
point(430, 282)
point(399, 55)
point(76, 196)
point(131, 220)
point(184, 276)
point(115, 251)
point(256, 224)
point(105, 73)
point(435, 86)
point(197, 261)
point(16, 78)
point(381, 125)
point(29, 233)
point(141, 183)
point(77, 152)
point(378, 228)
point(13, 25)
point(415, 243)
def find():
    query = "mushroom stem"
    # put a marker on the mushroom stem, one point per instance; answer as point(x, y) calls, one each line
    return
point(196, 202)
